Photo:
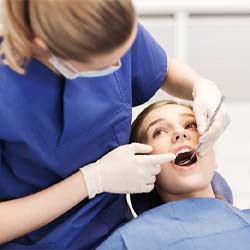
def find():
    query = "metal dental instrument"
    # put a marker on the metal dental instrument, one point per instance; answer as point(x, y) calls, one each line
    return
point(184, 162)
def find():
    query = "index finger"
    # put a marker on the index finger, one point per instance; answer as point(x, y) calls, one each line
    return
point(158, 158)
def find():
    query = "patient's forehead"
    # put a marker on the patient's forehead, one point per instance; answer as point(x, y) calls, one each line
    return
point(168, 112)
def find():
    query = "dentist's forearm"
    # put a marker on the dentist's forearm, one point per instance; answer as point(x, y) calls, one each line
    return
point(180, 80)
point(21, 216)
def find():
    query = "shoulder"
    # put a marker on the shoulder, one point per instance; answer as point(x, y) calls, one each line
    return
point(145, 39)
point(142, 35)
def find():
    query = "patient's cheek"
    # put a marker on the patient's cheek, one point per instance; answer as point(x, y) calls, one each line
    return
point(209, 159)
point(161, 146)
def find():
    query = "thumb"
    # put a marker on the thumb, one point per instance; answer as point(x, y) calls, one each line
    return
point(140, 148)
point(201, 120)
point(200, 116)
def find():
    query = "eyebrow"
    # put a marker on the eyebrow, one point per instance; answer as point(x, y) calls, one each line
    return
point(153, 123)
point(162, 119)
point(188, 115)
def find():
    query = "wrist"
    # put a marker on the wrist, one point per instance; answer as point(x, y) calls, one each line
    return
point(200, 82)
point(92, 179)
point(80, 186)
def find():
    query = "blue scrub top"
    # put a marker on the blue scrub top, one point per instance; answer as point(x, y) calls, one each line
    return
point(191, 224)
point(51, 126)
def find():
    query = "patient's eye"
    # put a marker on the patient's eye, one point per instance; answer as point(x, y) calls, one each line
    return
point(191, 125)
point(159, 132)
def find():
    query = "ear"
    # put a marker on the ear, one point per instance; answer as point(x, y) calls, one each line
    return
point(40, 44)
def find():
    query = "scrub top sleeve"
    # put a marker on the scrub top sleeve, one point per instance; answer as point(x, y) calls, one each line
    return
point(148, 65)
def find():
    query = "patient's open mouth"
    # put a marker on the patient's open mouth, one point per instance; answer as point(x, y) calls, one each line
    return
point(182, 159)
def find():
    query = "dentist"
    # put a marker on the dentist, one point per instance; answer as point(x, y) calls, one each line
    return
point(71, 72)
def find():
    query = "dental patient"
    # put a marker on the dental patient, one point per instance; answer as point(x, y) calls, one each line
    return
point(190, 215)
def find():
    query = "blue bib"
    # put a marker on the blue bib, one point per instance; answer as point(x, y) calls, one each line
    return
point(191, 224)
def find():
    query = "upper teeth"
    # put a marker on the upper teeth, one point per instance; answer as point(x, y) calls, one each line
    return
point(183, 150)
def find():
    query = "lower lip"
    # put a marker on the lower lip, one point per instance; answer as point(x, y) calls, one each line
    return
point(186, 168)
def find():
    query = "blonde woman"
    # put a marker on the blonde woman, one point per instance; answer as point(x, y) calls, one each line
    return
point(71, 71)
point(189, 212)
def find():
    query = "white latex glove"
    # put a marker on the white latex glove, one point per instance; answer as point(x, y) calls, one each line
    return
point(206, 98)
point(122, 171)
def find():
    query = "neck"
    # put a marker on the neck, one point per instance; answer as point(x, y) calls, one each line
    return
point(42, 56)
point(206, 192)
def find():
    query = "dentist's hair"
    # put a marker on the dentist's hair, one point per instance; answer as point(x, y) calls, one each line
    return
point(71, 29)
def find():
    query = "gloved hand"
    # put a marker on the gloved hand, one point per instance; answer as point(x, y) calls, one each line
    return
point(206, 98)
point(122, 171)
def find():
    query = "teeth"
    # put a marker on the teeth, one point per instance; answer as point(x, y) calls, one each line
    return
point(183, 150)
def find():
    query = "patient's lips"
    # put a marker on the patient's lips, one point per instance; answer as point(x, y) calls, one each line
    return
point(184, 153)
point(182, 157)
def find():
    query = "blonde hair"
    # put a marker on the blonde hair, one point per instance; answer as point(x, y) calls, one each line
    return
point(71, 29)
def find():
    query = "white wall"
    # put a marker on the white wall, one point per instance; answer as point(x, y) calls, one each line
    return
point(214, 38)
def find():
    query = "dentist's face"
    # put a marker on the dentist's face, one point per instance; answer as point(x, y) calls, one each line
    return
point(172, 128)
point(97, 62)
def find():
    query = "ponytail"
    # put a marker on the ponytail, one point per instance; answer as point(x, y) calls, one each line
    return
point(71, 29)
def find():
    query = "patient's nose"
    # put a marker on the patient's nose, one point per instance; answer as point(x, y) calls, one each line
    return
point(179, 136)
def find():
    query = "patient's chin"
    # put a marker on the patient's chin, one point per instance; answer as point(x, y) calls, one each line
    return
point(192, 191)
point(182, 181)
point(189, 184)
